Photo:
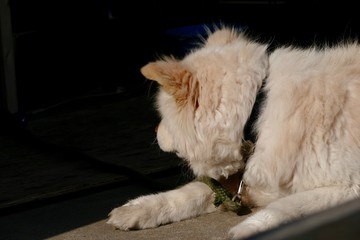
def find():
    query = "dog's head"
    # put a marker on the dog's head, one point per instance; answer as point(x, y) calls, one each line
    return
point(205, 99)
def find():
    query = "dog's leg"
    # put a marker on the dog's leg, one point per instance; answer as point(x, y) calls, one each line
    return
point(150, 211)
point(292, 207)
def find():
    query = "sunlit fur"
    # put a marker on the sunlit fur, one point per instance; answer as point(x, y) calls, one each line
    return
point(307, 155)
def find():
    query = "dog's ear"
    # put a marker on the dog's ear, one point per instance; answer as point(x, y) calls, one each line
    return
point(166, 72)
point(222, 37)
point(174, 78)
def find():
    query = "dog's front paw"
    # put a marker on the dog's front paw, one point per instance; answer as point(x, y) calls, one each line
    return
point(132, 217)
point(242, 231)
point(259, 222)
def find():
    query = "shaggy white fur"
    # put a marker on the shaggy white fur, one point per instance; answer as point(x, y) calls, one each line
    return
point(307, 155)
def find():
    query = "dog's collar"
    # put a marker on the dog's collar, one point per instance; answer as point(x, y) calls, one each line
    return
point(223, 195)
point(228, 191)
point(249, 133)
point(237, 196)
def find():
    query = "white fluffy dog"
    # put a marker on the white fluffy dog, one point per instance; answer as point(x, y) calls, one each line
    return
point(307, 154)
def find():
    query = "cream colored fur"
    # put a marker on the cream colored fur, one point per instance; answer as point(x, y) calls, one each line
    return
point(307, 155)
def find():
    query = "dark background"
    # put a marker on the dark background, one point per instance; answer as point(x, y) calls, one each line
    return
point(67, 49)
